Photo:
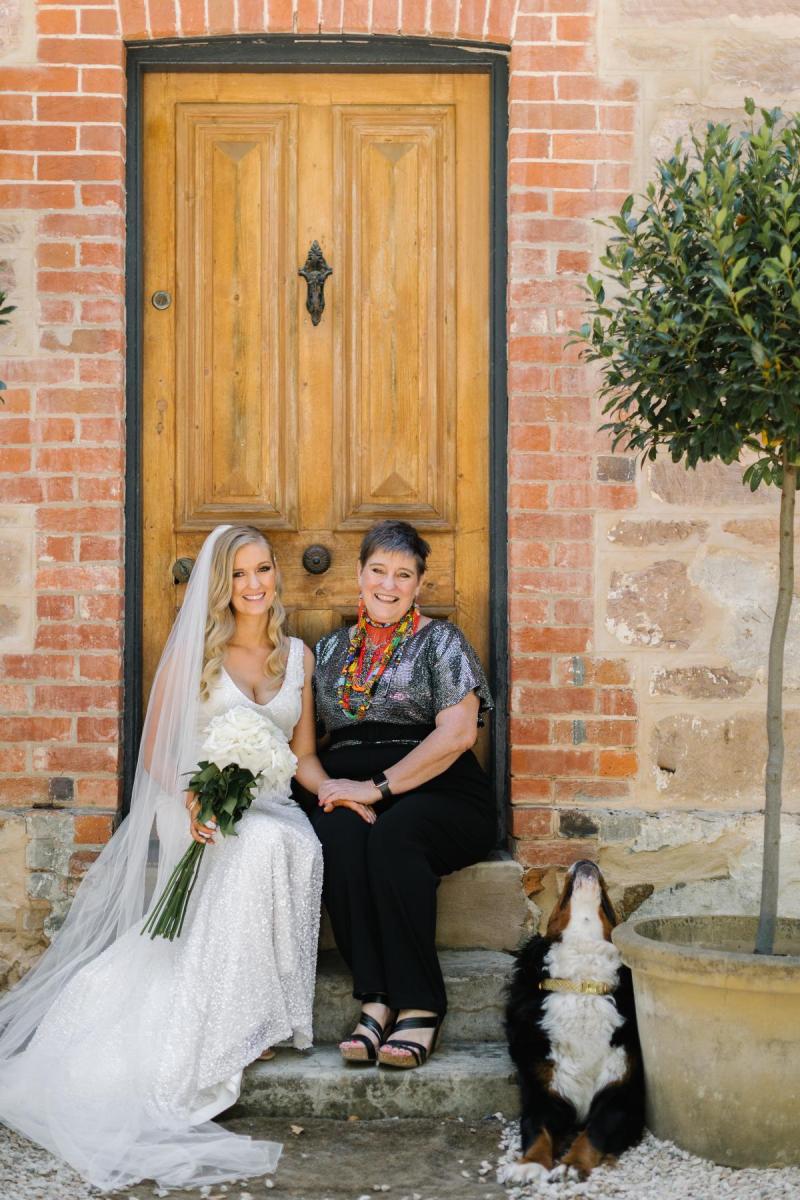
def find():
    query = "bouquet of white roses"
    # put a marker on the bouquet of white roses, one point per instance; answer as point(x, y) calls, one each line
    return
point(242, 747)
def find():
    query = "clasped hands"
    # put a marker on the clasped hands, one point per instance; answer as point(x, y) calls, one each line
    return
point(356, 794)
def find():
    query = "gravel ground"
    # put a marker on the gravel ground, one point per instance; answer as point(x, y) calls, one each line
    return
point(413, 1160)
point(654, 1170)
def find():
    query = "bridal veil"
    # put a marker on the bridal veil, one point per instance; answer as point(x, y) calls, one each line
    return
point(117, 1139)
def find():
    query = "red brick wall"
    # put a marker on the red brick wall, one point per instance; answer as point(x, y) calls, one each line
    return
point(570, 150)
point(62, 123)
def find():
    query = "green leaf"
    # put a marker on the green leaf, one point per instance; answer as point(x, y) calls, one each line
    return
point(697, 341)
point(738, 267)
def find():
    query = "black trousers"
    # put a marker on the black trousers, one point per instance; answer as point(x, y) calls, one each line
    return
point(380, 880)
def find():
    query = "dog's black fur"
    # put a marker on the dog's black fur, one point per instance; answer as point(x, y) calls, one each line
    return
point(550, 1130)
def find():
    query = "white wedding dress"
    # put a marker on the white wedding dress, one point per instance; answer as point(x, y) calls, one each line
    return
point(148, 1041)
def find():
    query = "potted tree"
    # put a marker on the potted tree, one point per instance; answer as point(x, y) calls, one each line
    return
point(698, 345)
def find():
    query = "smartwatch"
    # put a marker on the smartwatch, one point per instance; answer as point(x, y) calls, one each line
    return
point(382, 784)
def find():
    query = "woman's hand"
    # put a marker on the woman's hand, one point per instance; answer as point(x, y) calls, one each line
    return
point(360, 791)
point(204, 834)
point(362, 810)
point(356, 794)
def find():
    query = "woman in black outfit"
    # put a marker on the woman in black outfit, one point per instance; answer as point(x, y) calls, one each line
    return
point(402, 799)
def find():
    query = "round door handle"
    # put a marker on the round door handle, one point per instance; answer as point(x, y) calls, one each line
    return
point(182, 569)
point(316, 559)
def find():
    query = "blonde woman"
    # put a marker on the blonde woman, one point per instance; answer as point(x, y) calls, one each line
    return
point(117, 1050)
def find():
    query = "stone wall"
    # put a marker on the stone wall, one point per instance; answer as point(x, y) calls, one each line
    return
point(686, 588)
point(638, 607)
point(686, 580)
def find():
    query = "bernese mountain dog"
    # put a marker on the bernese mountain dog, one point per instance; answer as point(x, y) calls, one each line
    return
point(571, 1028)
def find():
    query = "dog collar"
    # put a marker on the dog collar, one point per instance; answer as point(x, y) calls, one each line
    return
point(589, 987)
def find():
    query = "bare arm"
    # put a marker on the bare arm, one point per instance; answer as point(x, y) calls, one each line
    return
point(456, 731)
point(200, 833)
point(304, 741)
point(154, 707)
point(310, 773)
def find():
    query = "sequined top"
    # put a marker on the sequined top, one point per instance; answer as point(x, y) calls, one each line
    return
point(432, 670)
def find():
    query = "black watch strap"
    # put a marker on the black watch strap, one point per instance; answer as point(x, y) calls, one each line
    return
point(382, 784)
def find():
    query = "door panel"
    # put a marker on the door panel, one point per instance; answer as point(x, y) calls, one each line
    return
point(236, 427)
point(396, 331)
point(252, 413)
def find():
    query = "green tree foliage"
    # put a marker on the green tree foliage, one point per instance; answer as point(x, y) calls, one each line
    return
point(696, 328)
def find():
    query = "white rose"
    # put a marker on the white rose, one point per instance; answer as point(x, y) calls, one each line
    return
point(252, 741)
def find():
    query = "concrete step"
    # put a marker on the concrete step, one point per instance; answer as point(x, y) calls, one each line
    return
point(475, 981)
point(483, 907)
point(470, 1081)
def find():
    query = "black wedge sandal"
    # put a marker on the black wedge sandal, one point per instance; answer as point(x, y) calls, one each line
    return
point(417, 1054)
point(367, 1051)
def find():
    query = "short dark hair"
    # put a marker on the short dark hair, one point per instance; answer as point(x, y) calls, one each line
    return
point(396, 537)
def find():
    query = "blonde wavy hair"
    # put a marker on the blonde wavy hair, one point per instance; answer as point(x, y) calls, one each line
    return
point(221, 623)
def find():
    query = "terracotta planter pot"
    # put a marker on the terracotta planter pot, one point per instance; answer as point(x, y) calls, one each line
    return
point(720, 1031)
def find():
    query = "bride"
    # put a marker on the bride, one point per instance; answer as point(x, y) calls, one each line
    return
point(117, 1050)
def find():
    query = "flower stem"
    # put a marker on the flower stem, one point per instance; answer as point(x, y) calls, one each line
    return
point(166, 919)
point(189, 890)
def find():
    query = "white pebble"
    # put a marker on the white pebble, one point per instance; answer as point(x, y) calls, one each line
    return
point(655, 1170)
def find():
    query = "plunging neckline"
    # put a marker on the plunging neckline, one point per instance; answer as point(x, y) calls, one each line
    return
point(258, 703)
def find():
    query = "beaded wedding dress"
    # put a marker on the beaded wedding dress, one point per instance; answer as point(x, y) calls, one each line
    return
point(148, 1040)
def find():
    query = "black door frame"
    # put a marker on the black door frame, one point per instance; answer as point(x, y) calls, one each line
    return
point(330, 52)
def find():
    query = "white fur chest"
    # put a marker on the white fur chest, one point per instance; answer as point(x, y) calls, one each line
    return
point(580, 1027)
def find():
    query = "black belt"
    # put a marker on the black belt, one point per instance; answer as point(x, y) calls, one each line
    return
point(376, 733)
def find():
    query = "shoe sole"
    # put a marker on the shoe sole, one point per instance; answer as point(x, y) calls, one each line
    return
point(356, 1055)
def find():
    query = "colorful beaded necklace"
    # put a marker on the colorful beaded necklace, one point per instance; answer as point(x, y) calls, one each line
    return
point(360, 673)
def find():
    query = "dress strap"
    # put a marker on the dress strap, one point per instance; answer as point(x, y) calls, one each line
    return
point(295, 667)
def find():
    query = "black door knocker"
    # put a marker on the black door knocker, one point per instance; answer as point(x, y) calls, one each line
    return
point(315, 271)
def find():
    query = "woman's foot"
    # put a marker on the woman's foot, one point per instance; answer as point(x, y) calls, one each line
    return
point(368, 1034)
point(265, 1055)
point(413, 1039)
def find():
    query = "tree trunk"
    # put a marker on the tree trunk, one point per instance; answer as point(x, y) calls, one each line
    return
point(772, 809)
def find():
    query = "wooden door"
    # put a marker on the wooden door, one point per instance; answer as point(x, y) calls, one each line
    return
point(311, 432)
